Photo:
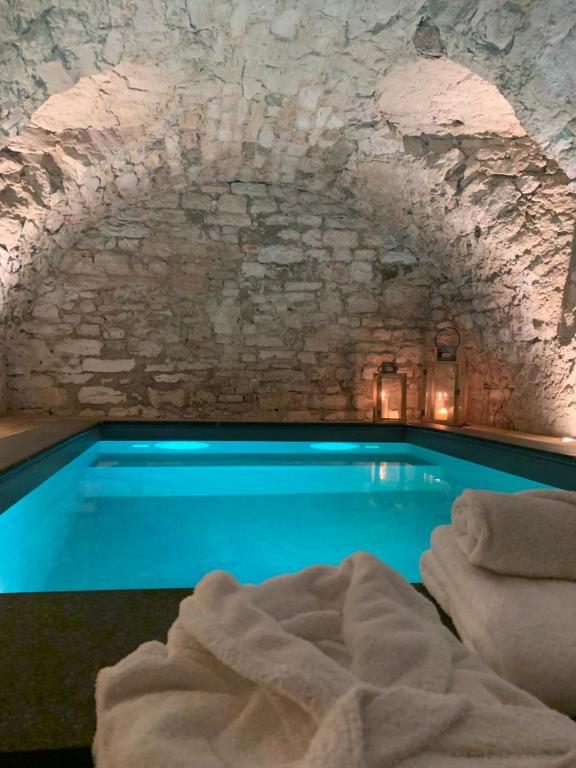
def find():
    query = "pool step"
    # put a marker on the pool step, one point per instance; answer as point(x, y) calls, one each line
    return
point(108, 460)
point(104, 481)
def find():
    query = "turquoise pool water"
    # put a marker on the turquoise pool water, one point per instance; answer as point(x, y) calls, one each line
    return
point(137, 515)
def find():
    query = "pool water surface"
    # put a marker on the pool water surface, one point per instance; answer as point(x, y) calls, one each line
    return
point(139, 515)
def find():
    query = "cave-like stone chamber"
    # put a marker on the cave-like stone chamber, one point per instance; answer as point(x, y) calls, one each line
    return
point(230, 210)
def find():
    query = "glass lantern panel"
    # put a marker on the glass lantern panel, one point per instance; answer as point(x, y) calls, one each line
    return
point(390, 398)
point(443, 394)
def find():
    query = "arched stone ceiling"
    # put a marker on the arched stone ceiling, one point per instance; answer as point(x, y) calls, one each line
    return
point(438, 96)
point(526, 49)
point(363, 103)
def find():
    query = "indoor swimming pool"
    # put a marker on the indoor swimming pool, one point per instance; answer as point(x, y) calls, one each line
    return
point(161, 514)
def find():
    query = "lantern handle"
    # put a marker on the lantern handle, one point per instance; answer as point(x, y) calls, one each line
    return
point(443, 330)
point(388, 366)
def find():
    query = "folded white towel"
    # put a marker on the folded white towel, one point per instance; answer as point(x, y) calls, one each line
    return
point(343, 667)
point(532, 533)
point(524, 629)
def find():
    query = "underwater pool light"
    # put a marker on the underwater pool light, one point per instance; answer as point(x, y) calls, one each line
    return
point(334, 446)
point(140, 445)
point(181, 445)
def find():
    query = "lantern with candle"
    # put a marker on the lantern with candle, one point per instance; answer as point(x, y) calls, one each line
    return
point(389, 393)
point(446, 387)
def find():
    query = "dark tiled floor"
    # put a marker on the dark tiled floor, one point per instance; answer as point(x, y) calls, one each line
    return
point(48, 758)
point(52, 647)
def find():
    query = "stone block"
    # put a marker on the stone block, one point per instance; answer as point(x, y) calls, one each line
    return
point(110, 332)
point(259, 206)
point(250, 269)
point(312, 238)
point(98, 365)
point(299, 286)
point(198, 202)
point(169, 378)
point(89, 329)
point(112, 262)
point(146, 348)
point(361, 272)
point(74, 378)
point(171, 397)
point(309, 96)
point(317, 345)
point(340, 238)
point(289, 234)
point(224, 218)
point(47, 312)
point(124, 229)
point(263, 340)
point(286, 24)
point(230, 399)
point(361, 304)
point(232, 203)
point(250, 189)
point(309, 220)
point(342, 255)
point(127, 184)
point(282, 255)
point(78, 347)
point(364, 254)
point(100, 396)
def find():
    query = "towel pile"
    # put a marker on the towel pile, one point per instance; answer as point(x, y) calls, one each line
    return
point(505, 571)
point(344, 667)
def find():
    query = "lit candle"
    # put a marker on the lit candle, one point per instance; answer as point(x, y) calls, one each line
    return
point(440, 410)
point(385, 405)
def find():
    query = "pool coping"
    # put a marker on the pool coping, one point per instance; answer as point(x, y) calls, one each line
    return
point(33, 437)
point(29, 457)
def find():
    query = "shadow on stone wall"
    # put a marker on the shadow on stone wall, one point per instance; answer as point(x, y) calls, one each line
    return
point(567, 325)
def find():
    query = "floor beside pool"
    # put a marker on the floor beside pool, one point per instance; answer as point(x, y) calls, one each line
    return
point(24, 437)
point(50, 655)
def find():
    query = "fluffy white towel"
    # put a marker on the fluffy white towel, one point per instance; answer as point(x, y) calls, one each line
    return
point(524, 629)
point(532, 533)
point(343, 667)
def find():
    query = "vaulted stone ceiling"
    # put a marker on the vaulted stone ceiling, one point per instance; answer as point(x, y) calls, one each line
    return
point(395, 111)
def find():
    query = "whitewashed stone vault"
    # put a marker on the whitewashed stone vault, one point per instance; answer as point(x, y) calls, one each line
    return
point(232, 209)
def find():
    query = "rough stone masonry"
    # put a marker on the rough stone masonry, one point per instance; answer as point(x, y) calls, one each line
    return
point(232, 210)
point(243, 300)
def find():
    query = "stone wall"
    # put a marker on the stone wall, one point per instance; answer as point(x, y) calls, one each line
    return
point(239, 300)
point(495, 218)
point(117, 119)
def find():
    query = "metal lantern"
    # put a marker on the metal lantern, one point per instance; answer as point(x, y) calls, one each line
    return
point(446, 387)
point(389, 394)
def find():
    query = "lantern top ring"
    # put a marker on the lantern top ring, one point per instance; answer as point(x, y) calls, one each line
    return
point(450, 331)
point(447, 340)
point(388, 366)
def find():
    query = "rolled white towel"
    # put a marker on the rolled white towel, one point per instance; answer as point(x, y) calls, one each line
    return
point(531, 533)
